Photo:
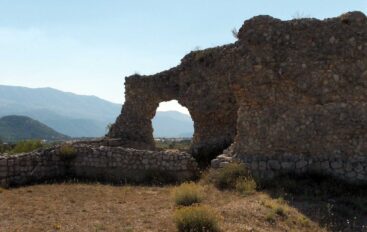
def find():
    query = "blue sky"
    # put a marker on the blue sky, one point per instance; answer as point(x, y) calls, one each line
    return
point(89, 46)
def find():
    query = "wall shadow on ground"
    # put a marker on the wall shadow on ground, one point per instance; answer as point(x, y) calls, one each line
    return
point(335, 205)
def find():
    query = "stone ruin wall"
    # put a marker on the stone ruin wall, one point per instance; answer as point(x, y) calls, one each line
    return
point(286, 91)
point(287, 97)
point(97, 163)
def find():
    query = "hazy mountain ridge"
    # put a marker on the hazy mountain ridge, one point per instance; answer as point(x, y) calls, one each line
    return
point(71, 114)
point(78, 115)
point(172, 124)
point(15, 128)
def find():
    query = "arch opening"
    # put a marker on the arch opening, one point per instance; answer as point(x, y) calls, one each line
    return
point(173, 127)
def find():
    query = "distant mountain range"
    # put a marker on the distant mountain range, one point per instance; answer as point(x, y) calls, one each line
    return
point(172, 124)
point(16, 128)
point(78, 115)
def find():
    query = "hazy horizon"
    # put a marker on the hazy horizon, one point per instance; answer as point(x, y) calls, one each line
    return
point(88, 47)
point(167, 106)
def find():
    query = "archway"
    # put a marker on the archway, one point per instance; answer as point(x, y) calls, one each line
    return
point(208, 97)
point(173, 127)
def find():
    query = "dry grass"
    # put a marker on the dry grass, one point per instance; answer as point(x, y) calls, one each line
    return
point(83, 207)
point(228, 176)
point(197, 218)
point(95, 207)
point(246, 186)
point(187, 194)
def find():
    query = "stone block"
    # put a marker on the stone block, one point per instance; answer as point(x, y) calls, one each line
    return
point(336, 164)
point(351, 175)
point(254, 165)
point(301, 164)
point(262, 165)
point(274, 164)
point(223, 164)
point(325, 165)
point(3, 162)
point(288, 165)
point(358, 168)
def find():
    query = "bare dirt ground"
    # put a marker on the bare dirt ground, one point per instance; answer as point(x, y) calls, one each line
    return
point(97, 207)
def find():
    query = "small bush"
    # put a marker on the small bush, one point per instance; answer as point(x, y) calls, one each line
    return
point(67, 152)
point(26, 146)
point(303, 221)
point(270, 217)
point(235, 33)
point(187, 194)
point(196, 219)
point(246, 185)
point(280, 211)
point(227, 177)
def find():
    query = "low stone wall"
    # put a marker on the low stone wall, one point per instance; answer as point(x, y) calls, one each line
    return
point(351, 169)
point(111, 164)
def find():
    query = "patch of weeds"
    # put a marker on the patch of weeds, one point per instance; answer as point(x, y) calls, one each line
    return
point(302, 220)
point(270, 217)
point(280, 211)
point(196, 218)
point(6, 148)
point(227, 177)
point(27, 146)
point(281, 200)
point(199, 55)
point(246, 185)
point(100, 227)
point(276, 209)
point(57, 227)
point(67, 152)
point(188, 194)
point(267, 203)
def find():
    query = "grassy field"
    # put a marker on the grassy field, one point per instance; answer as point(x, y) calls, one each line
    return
point(97, 207)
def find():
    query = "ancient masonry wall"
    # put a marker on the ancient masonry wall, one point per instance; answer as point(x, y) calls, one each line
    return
point(111, 164)
point(284, 87)
point(302, 98)
point(351, 169)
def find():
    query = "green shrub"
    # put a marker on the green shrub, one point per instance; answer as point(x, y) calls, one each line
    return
point(226, 177)
point(67, 152)
point(27, 146)
point(196, 219)
point(187, 194)
point(246, 185)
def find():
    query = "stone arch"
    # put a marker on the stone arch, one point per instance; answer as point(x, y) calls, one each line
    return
point(171, 127)
point(205, 91)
